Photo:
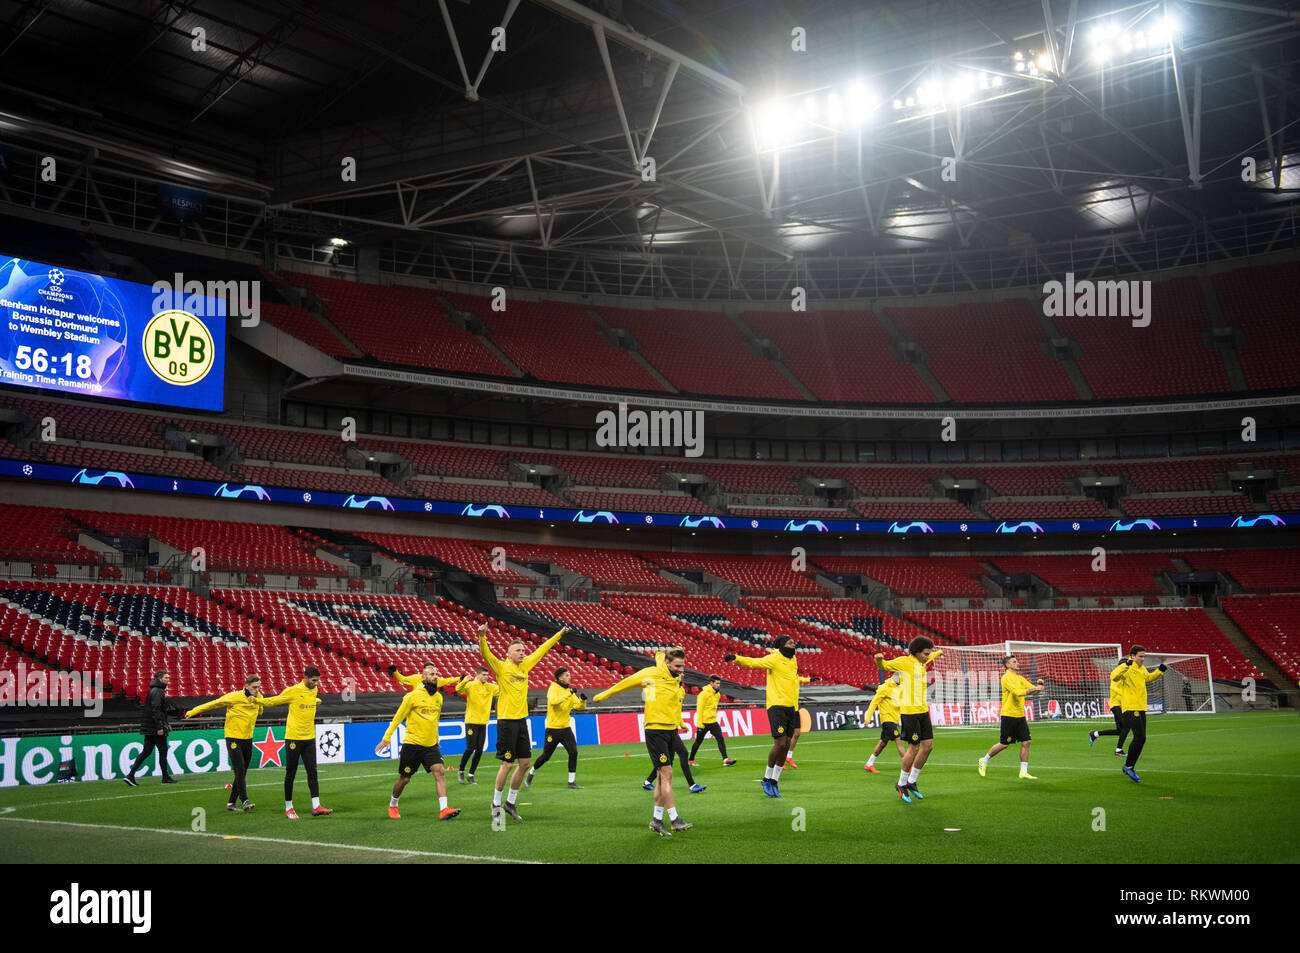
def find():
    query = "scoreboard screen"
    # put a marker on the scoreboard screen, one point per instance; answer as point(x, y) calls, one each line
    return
point(79, 333)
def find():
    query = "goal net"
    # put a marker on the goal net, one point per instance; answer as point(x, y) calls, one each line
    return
point(1187, 685)
point(967, 688)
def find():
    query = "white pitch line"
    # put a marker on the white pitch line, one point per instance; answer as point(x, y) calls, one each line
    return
point(1063, 767)
point(276, 840)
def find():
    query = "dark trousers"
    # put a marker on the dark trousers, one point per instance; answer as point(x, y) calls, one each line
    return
point(152, 742)
point(1137, 726)
point(241, 756)
point(306, 750)
point(702, 732)
point(679, 749)
point(475, 739)
point(555, 738)
point(1120, 729)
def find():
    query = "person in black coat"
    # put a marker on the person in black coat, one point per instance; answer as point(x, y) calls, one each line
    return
point(154, 726)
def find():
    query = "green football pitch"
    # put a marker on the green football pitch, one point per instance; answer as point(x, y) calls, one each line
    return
point(1215, 789)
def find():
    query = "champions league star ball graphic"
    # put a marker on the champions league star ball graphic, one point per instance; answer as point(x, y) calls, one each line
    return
point(88, 296)
point(330, 743)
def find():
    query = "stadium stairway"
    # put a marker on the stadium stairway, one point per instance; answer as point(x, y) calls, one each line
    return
point(633, 353)
point(1246, 647)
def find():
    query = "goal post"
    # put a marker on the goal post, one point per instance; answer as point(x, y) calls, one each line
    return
point(967, 689)
point(1187, 687)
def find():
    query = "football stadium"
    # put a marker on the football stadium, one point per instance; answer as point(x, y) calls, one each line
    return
point(642, 432)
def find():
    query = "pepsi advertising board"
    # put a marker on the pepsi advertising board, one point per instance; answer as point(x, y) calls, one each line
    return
point(78, 333)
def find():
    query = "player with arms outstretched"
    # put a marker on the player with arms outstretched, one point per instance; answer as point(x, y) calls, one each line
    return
point(513, 745)
point(662, 691)
point(914, 723)
point(300, 733)
point(242, 708)
point(1014, 725)
point(421, 709)
point(886, 699)
point(782, 703)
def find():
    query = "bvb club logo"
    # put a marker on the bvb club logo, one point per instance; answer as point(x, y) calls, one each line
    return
point(780, 730)
point(548, 738)
point(663, 758)
point(178, 347)
point(916, 737)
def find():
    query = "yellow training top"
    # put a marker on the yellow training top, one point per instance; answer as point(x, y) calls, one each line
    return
point(512, 679)
point(662, 692)
point(782, 677)
point(241, 712)
point(302, 701)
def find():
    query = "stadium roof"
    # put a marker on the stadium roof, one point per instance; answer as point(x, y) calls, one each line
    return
point(1087, 123)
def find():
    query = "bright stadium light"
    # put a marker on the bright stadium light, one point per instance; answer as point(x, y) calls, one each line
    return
point(772, 123)
point(810, 108)
point(861, 103)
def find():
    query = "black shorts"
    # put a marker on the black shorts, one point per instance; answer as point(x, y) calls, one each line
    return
point(888, 730)
point(415, 756)
point(1013, 729)
point(661, 744)
point(917, 728)
point(512, 739)
point(783, 721)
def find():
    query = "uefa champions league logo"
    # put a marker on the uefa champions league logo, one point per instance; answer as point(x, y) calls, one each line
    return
point(56, 277)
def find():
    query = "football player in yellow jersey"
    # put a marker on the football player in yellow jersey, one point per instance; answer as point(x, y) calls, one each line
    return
point(662, 691)
point(300, 734)
point(560, 701)
point(915, 724)
point(242, 708)
point(513, 744)
point(1121, 723)
point(421, 709)
point(886, 699)
point(1132, 676)
point(1014, 725)
point(478, 693)
point(782, 703)
point(706, 720)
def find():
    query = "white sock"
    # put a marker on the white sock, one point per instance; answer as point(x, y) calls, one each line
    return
point(468, 776)
point(573, 776)
point(442, 804)
point(872, 760)
point(672, 814)
point(496, 799)
point(776, 773)
point(902, 777)
point(531, 772)
point(288, 805)
point(659, 813)
point(767, 774)
point(985, 759)
point(510, 798)
point(315, 803)
point(392, 802)
point(916, 773)
point(1024, 766)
